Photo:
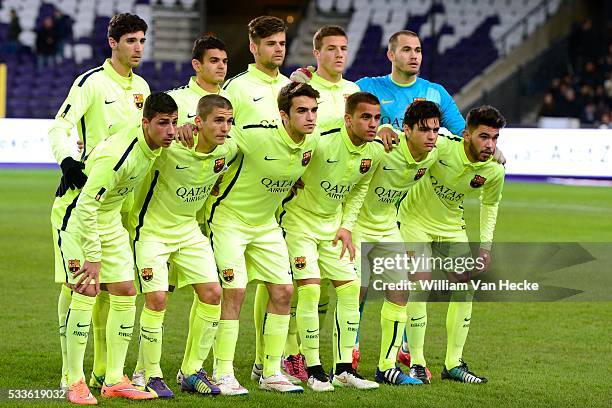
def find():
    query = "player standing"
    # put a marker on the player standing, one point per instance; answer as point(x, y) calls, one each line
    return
point(93, 246)
point(315, 219)
point(164, 230)
point(101, 101)
point(247, 241)
point(433, 213)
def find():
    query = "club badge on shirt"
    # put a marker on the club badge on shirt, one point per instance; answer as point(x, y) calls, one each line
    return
point(306, 158)
point(219, 164)
point(420, 173)
point(365, 165)
point(477, 181)
point(139, 100)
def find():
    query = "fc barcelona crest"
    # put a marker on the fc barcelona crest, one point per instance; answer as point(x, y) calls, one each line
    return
point(477, 181)
point(299, 262)
point(420, 173)
point(139, 100)
point(146, 274)
point(219, 164)
point(74, 265)
point(365, 165)
point(228, 275)
point(306, 158)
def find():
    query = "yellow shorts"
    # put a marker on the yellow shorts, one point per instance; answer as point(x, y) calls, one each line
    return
point(314, 258)
point(421, 243)
point(262, 248)
point(117, 260)
point(192, 262)
point(372, 252)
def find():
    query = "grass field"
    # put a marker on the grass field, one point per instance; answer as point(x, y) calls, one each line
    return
point(534, 354)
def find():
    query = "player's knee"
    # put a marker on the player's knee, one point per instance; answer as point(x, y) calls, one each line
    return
point(282, 295)
point(210, 295)
point(156, 301)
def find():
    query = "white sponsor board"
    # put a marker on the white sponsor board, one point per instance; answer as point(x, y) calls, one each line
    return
point(26, 141)
point(557, 152)
point(529, 151)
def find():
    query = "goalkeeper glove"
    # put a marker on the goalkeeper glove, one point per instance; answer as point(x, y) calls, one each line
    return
point(72, 173)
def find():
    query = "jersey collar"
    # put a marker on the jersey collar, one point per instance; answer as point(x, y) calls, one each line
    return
point(403, 146)
point(319, 80)
point(125, 82)
point(150, 154)
point(466, 161)
point(287, 139)
point(349, 145)
point(402, 85)
point(193, 85)
point(252, 69)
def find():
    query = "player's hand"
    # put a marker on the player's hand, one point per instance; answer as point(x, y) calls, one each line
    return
point(302, 75)
point(80, 145)
point(73, 175)
point(90, 271)
point(215, 189)
point(346, 237)
point(184, 134)
point(388, 137)
point(499, 157)
point(485, 258)
point(299, 185)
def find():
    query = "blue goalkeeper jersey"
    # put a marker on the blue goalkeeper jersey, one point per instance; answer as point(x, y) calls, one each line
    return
point(395, 98)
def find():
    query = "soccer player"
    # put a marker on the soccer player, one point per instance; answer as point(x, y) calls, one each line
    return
point(246, 239)
point(315, 219)
point(164, 229)
point(330, 48)
point(93, 246)
point(101, 101)
point(402, 86)
point(403, 167)
point(253, 92)
point(433, 213)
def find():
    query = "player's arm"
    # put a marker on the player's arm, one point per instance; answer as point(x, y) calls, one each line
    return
point(451, 117)
point(102, 179)
point(489, 203)
point(355, 198)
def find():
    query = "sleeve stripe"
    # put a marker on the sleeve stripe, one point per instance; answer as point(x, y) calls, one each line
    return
point(87, 75)
point(226, 192)
point(261, 126)
point(125, 154)
point(84, 134)
point(232, 78)
point(327, 132)
point(65, 112)
point(145, 206)
point(285, 201)
point(69, 212)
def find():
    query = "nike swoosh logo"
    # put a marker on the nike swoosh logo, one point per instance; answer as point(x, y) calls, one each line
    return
point(442, 163)
point(332, 161)
point(132, 178)
point(256, 99)
point(416, 318)
point(467, 320)
point(191, 116)
point(181, 168)
point(82, 325)
point(386, 168)
point(108, 103)
point(312, 331)
point(146, 331)
point(351, 323)
point(384, 102)
point(126, 327)
point(269, 158)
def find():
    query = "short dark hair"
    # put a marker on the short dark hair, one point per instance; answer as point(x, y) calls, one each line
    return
point(395, 36)
point(207, 42)
point(485, 115)
point(359, 97)
point(207, 103)
point(265, 26)
point(125, 23)
point(292, 90)
point(158, 102)
point(419, 111)
point(326, 31)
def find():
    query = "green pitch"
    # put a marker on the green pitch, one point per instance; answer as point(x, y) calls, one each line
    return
point(534, 354)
